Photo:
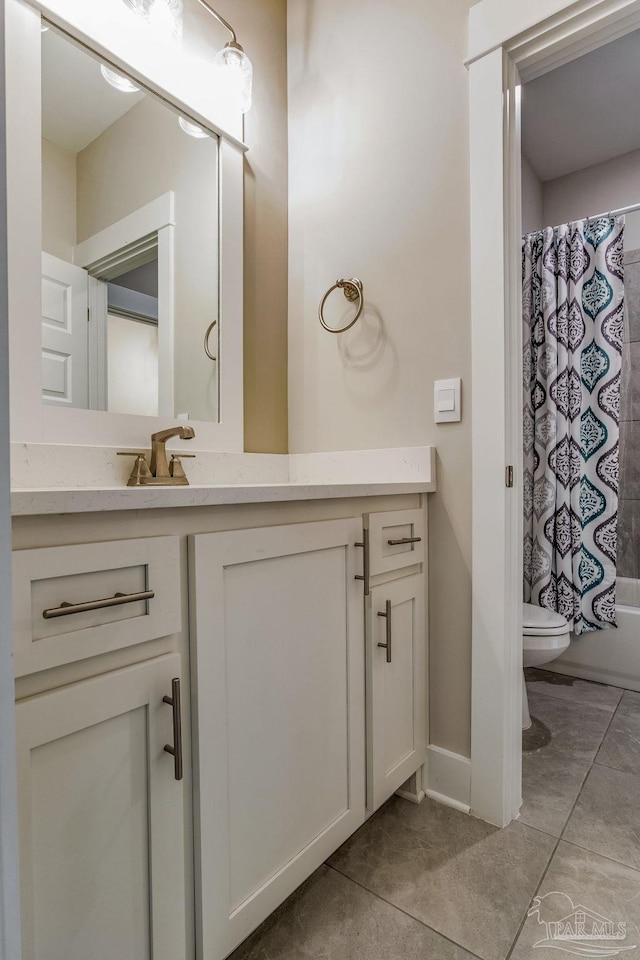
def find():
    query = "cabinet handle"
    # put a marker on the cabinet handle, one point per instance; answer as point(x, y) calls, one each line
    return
point(403, 540)
point(364, 543)
point(66, 609)
point(387, 615)
point(176, 749)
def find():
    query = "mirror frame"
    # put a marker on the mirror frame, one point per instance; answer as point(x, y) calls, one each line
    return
point(31, 420)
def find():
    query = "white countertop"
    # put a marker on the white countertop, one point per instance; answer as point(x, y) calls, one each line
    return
point(96, 500)
point(298, 477)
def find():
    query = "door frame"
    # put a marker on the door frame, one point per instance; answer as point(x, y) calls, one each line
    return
point(9, 889)
point(135, 239)
point(508, 46)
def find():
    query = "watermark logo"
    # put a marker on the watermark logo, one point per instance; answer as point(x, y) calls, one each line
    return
point(578, 930)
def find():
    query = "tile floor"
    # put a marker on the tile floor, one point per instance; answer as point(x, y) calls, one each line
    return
point(429, 883)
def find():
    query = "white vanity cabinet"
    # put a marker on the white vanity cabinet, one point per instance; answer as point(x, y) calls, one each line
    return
point(277, 638)
point(396, 651)
point(297, 723)
point(101, 819)
point(101, 811)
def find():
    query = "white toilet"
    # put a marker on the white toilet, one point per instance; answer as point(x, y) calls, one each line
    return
point(545, 636)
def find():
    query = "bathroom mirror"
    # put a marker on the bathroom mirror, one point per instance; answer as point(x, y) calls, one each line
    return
point(130, 238)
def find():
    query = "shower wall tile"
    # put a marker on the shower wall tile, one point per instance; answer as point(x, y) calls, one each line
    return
point(632, 300)
point(625, 383)
point(630, 384)
point(630, 460)
point(628, 562)
point(628, 524)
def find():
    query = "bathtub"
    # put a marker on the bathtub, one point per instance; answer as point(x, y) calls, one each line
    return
point(609, 656)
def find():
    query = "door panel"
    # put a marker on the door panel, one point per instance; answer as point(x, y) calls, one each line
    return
point(65, 377)
point(279, 712)
point(398, 701)
point(79, 851)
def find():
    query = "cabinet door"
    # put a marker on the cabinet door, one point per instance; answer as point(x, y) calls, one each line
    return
point(278, 683)
point(398, 681)
point(101, 819)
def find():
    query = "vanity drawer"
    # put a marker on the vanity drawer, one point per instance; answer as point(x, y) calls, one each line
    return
point(65, 603)
point(396, 540)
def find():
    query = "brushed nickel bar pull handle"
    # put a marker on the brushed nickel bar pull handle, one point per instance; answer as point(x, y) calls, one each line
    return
point(403, 540)
point(364, 543)
point(176, 749)
point(66, 609)
point(387, 645)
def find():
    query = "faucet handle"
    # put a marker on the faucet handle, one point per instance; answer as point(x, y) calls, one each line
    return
point(140, 469)
point(176, 469)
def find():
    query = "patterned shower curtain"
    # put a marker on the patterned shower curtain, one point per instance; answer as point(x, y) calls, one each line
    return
point(573, 309)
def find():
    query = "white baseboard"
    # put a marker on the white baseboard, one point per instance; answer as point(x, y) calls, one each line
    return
point(448, 778)
point(412, 789)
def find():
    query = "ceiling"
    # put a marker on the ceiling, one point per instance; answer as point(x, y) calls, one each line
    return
point(77, 103)
point(584, 112)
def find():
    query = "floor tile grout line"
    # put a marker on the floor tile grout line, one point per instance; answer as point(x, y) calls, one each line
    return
point(395, 906)
point(577, 800)
point(531, 899)
point(619, 863)
point(540, 671)
point(539, 830)
point(581, 703)
point(573, 806)
point(578, 795)
point(613, 716)
point(561, 839)
point(607, 766)
point(575, 803)
point(530, 826)
point(589, 771)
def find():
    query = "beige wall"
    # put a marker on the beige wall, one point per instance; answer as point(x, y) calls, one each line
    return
point(532, 199)
point(605, 186)
point(58, 201)
point(379, 174)
point(261, 26)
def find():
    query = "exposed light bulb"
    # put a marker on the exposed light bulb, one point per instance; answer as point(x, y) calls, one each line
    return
point(237, 71)
point(118, 80)
point(192, 129)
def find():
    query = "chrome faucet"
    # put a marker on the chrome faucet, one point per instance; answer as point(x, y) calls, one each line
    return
point(159, 472)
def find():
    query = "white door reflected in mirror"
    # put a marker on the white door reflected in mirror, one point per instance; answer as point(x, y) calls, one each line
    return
point(130, 246)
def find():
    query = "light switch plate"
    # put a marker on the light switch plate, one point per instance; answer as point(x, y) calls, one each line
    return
point(446, 400)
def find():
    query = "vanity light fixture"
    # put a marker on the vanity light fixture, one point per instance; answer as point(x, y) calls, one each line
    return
point(233, 58)
point(163, 16)
point(192, 129)
point(166, 16)
point(118, 80)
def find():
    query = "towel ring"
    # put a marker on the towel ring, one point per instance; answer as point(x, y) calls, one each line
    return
point(206, 340)
point(353, 290)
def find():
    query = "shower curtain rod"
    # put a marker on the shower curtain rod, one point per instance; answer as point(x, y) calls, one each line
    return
point(617, 213)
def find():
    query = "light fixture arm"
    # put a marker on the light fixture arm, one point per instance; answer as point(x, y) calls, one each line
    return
point(209, 8)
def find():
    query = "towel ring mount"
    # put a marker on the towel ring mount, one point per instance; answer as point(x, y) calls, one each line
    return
point(353, 290)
